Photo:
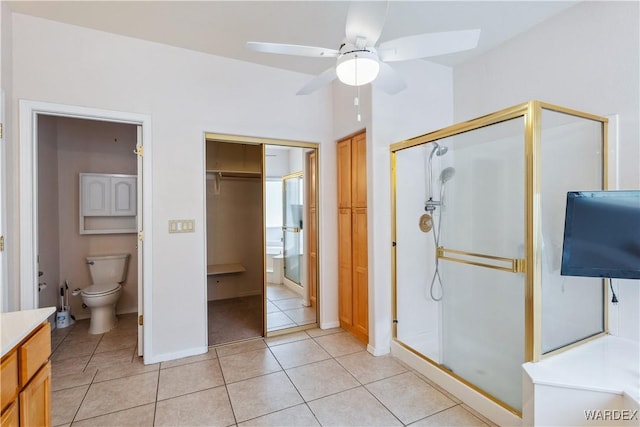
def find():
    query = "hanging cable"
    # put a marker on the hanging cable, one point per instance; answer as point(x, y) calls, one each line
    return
point(436, 242)
point(614, 298)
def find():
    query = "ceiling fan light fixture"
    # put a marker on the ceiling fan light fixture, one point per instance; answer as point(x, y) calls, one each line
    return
point(358, 68)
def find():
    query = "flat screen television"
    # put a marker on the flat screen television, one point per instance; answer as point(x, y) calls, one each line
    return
point(602, 234)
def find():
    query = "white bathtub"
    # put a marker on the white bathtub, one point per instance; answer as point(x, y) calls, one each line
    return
point(274, 264)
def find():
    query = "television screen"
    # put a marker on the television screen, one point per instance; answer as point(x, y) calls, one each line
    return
point(602, 234)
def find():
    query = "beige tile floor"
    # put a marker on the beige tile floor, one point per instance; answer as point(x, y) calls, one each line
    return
point(310, 378)
point(285, 309)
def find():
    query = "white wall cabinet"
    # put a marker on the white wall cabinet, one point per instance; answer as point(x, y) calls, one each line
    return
point(107, 203)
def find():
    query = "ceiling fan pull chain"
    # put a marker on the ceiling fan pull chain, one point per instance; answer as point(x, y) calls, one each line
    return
point(356, 101)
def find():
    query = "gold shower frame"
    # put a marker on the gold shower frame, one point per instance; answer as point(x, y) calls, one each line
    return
point(531, 265)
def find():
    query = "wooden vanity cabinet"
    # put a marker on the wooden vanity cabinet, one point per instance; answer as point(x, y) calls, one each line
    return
point(26, 381)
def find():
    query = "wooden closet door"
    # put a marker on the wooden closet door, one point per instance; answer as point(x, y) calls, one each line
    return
point(344, 174)
point(353, 289)
point(360, 274)
point(359, 171)
point(345, 293)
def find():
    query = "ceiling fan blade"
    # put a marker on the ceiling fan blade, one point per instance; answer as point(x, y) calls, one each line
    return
point(319, 81)
point(365, 20)
point(389, 80)
point(426, 45)
point(292, 49)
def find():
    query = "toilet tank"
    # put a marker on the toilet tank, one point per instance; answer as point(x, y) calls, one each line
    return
point(108, 268)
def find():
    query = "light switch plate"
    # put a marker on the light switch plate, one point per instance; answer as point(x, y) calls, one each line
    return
point(181, 226)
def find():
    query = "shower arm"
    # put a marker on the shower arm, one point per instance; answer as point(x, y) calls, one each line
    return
point(435, 148)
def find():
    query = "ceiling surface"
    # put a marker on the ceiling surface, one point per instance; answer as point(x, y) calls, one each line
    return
point(223, 27)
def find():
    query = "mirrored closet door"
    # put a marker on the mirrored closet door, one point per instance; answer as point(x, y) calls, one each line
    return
point(291, 236)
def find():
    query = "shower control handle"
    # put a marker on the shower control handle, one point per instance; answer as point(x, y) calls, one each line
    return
point(431, 205)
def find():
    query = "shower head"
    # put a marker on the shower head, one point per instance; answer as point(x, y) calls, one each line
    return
point(438, 150)
point(447, 174)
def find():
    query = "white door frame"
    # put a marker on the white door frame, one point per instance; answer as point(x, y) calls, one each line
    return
point(4, 285)
point(28, 155)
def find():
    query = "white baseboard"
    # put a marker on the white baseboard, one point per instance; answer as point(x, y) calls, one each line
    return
point(378, 351)
point(292, 286)
point(239, 295)
point(173, 356)
point(329, 325)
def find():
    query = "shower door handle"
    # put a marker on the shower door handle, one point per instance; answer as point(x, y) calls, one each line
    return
point(511, 265)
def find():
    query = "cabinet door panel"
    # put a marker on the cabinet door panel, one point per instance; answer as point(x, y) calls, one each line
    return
point(345, 297)
point(344, 174)
point(10, 416)
point(360, 273)
point(35, 399)
point(9, 379)
point(34, 353)
point(123, 196)
point(95, 195)
point(359, 171)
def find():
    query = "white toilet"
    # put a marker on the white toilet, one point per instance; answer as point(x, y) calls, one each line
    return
point(107, 274)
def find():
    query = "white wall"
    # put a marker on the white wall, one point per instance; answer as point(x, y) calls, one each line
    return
point(586, 58)
point(48, 212)
point(8, 295)
point(424, 106)
point(186, 93)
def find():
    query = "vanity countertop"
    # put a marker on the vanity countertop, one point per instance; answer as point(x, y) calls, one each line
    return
point(16, 325)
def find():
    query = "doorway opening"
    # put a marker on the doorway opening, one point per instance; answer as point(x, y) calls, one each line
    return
point(261, 258)
point(79, 164)
point(58, 144)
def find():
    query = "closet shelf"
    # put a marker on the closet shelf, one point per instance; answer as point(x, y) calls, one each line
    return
point(216, 269)
point(235, 173)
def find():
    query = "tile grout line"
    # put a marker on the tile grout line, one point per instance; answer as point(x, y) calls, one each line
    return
point(288, 378)
point(270, 349)
point(226, 389)
point(155, 403)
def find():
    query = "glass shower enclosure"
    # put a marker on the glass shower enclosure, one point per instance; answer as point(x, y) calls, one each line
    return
point(478, 225)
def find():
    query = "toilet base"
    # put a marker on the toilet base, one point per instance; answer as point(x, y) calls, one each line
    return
point(103, 319)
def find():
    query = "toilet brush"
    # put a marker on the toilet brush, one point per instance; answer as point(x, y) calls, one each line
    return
point(68, 306)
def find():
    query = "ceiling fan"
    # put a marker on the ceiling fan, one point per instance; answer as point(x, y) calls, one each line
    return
point(360, 61)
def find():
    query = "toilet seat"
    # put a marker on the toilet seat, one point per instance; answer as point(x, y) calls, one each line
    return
point(101, 289)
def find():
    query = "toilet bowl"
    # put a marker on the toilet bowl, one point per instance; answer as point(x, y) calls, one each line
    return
point(107, 274)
